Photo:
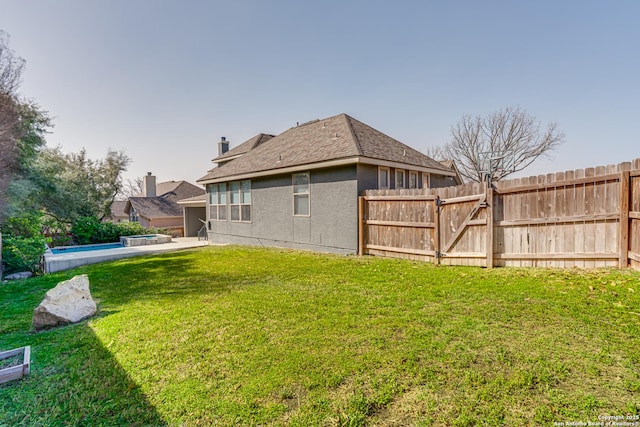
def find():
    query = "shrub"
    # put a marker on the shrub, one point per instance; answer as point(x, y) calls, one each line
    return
point(90, 230)
point(27, 224)
point(22, 253)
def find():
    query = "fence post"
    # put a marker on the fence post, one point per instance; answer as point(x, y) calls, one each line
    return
point(489, 214)
point(437, 230)
point(623, 256)
point(361, 225)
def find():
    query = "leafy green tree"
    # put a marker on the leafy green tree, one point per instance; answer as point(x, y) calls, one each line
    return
point(71, 186)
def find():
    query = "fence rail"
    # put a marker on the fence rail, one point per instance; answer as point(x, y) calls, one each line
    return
point(583, 218)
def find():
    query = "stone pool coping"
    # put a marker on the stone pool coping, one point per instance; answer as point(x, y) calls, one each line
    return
point(66, 261)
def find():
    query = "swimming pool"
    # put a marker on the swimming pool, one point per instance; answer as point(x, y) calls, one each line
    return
point(85, 248)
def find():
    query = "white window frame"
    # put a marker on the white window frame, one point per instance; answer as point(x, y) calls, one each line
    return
point(243, 201)
point(387, 172)
point(395, 181)
point(220, 204)
point(426, 180)
point(301, 194)
point(413, 174)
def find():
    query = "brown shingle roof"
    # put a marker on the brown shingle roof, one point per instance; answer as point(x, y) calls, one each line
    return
point(117, 208)
point(154, 207)
point(337, 137)
point(176, 190)
point(245, 147)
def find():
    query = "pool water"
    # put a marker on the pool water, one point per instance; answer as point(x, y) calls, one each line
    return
point(85, 248)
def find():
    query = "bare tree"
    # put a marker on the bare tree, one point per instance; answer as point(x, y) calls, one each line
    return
point(509, 134)
point(131, 188)
point(11, 67)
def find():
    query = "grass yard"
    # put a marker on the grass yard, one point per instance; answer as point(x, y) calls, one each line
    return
point(249, 336)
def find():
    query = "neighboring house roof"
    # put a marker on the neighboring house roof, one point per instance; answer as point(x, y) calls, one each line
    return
point(153, 207)
point(197, 201)
point(165, 204)
point(176, 190)
point(452, 165)
point(243, 148)
point(117, 209)
point(336, 140)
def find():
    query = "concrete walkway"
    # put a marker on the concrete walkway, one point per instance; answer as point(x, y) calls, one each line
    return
point(60, 262)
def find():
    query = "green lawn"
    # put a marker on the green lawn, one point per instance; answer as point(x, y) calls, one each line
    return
point(248, 336)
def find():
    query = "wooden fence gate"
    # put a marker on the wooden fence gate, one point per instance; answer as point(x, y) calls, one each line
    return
point(583, 218)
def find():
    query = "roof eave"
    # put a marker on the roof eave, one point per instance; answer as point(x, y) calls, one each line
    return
point(327, 164)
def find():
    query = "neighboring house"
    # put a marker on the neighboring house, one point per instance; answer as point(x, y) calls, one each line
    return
point(158, 205)
point(300, 189)
point(117, 212)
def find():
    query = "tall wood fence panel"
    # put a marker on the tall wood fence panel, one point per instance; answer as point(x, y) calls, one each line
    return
point(584, 218)
point(634, 216)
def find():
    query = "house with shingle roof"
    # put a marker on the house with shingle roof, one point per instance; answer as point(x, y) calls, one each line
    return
point(300, 188)
point(157, 206)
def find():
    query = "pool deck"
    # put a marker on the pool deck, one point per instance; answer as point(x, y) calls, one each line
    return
point(60, 262)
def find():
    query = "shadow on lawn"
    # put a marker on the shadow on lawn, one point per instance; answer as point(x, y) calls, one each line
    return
point(74, 380)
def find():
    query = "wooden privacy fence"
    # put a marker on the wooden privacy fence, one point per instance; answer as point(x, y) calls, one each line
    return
point(582, 218)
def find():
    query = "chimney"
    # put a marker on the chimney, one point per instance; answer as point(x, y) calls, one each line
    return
point(223, 146)
point(149, 184)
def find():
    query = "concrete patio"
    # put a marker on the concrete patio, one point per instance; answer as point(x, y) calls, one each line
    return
point(66, 261)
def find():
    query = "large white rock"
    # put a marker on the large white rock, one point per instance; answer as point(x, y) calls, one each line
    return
point(69, 302)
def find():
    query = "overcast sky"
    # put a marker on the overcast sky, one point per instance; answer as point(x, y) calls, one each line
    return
point(164, 80)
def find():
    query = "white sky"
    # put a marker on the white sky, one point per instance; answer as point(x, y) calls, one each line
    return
point(164, 80)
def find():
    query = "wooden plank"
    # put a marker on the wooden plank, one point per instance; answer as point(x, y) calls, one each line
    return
point(600, 229)
point(18, 371)
point(361, 223)
point(544, 186)
point(399, 197)
point(612, 201)
point(462, 255)
point(462, 199)
point(568, 211)
point(634, 215)
point(400, 223)
point(579, 211)
point(559, 210)
point(633, 256)
point(546, 256)
point(623, 234)
point(10, 353)
point(26, 360)
point(558, 220)
point(462, 227)
point(589, 206)
point(401, 250)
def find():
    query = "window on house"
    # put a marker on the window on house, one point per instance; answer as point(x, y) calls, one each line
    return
point(240, 203)
point(301, 194)
point(413, 179)
point(133, 216)
point(383, 178)
point(399, 178)
point(218, 201)
point(425, 180)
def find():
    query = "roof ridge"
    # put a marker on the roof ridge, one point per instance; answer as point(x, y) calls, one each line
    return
point(348, 118)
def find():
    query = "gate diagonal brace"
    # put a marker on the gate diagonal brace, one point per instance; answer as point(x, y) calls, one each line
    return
point(464, 225)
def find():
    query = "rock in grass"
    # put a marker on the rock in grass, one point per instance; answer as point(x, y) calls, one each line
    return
point(20, 275)
point(69, 302)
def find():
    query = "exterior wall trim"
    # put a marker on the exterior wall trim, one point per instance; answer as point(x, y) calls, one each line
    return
point(329, 164)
